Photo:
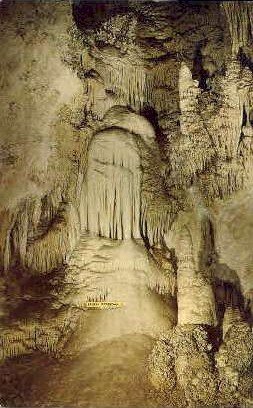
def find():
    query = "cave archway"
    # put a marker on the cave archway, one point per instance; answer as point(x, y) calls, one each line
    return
point(113, 180)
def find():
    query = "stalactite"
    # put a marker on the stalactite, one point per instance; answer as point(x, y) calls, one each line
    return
point(240, 19)
point(50, 250)
point(50, 204)
point(155, 219)
point(226, 126)
point(7, 219)
point(128, 82)
point(213, 134)
point(161, 86)
point(124, 80)
point(112, 190)
point(194, 134)
point(34, 214)
point(20, 233)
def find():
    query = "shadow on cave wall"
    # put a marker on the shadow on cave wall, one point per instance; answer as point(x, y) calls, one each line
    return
point(198, 71)
point(89, 14)
point(225, 281)
point(152, 116)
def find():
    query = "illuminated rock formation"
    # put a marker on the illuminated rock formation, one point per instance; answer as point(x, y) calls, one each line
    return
point(126, 179)
point(112, 190)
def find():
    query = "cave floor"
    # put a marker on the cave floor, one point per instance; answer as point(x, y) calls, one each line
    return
point(110, 374)
point(104, 361)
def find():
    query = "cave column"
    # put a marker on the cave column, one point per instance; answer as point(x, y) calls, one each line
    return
point(196, 309)
point(196, 301)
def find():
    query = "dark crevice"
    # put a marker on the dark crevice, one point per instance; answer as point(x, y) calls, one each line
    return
point(151, 115)
point(251, 117)
point(198, 72)
point(244, 116)
point(89, 14)
point(245, 60)
point(92, 73)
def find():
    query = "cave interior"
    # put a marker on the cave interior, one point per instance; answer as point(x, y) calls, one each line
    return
point(126, 205)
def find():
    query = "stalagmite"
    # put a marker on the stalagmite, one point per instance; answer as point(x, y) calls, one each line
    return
point(196, 303)
point(195, 297)
point(194, 366)
point(234, 358)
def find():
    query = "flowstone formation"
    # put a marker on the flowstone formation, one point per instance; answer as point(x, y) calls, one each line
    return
point(126, 193)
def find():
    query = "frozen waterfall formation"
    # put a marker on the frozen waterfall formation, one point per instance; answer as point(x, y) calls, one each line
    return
point(126, 169)
point(112, 187)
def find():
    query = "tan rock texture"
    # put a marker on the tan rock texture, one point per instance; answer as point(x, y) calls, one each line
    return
point(126, 176)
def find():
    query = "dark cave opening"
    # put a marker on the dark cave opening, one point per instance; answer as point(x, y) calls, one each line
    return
point(198, 71)
point(152, 116)
point(244, 59)
point(251, 117)
point(244, 116)
point(89, 14)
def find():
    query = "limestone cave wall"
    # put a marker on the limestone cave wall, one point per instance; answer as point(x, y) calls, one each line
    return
point(132, 120)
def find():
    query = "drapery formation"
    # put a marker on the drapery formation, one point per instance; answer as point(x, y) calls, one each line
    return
point(112, 186)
